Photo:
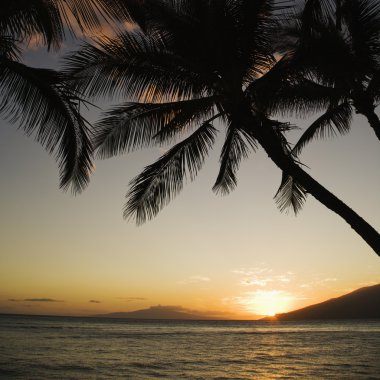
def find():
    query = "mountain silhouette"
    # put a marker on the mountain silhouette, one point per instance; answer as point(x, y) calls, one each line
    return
point(159, 312)
point(359, 304)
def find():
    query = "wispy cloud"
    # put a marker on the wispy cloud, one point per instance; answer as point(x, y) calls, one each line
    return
point(319, 282)
point(42, 300)
point(369, 283)
point(195, 279)
point(34, 300)
point(94, 301)
point(262, 277)
point(131, 299)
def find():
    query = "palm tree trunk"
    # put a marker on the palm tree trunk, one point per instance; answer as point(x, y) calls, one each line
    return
point(269, 141)
point(373, 121)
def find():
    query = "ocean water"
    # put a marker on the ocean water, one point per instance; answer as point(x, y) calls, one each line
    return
point(91, 348)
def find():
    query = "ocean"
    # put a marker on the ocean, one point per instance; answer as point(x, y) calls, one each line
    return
point(34, 347)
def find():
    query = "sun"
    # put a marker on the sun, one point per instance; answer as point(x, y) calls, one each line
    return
point(268, 302)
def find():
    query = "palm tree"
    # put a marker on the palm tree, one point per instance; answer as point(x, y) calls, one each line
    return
point(332, 66)
point(197, 63)
point(42, 101)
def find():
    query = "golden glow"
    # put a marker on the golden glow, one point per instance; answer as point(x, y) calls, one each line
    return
point(236, 255)
point(269, 302)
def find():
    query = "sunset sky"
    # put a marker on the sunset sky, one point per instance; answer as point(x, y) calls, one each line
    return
point(234, 256)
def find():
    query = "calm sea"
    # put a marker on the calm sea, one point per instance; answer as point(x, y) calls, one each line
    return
point(89, 348)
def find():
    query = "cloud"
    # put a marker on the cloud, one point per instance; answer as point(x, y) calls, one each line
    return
point(319, 282)
point(368, 283)
point(262, 277)
point(194, 279)
point(131, 299)
point(94, 301)
point(34, 300)
point(42, 300)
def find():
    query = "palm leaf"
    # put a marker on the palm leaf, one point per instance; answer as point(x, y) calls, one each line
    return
point(42, 103)
point(192, 113)
point(290, 195)
point(134, 66)
point(161, 181)
point(301, 96)
point(23, 19)
point(316, 13)
point(236, 147)
point(136, 125)
point(364, 28)
point(156, 15)
point(9, 48)
point(373, 89)
point(90, 14)
point(255, 27)
point(335, 120)
point(287, 90)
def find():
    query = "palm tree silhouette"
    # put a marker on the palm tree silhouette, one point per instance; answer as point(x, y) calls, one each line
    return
point(196, 63)
point(43, 101)
point(331, 63)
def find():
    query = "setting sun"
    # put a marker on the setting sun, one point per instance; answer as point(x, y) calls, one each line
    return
point(269, 302)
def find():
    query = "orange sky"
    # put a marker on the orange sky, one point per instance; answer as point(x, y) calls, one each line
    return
point(236, 256)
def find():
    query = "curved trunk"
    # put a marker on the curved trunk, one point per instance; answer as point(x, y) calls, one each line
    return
point(373, 121)
point(269, 141)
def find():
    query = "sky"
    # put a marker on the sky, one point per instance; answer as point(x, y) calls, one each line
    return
point(231, 257)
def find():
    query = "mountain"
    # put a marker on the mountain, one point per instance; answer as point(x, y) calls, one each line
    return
point(159, 312)
point(360, 304)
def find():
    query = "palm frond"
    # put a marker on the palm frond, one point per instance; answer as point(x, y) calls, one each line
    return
point(335, 120)
point(161, 181)
point(291, 89)
point(267, 85)
point(153, 15)
point(317, 13)
point(256, 28)
point(373, 88)
point(236, 147)
point(134, 66)
point(290, 195)
point(41, 102)
point(300, 97)
point(90, 14)
point(364, 28)
point(23, 19)
point(9, 48)
point(136, 125)
point(193, 113)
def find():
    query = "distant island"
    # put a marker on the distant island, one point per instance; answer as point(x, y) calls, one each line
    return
point(158, 312)
point(363, 303)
